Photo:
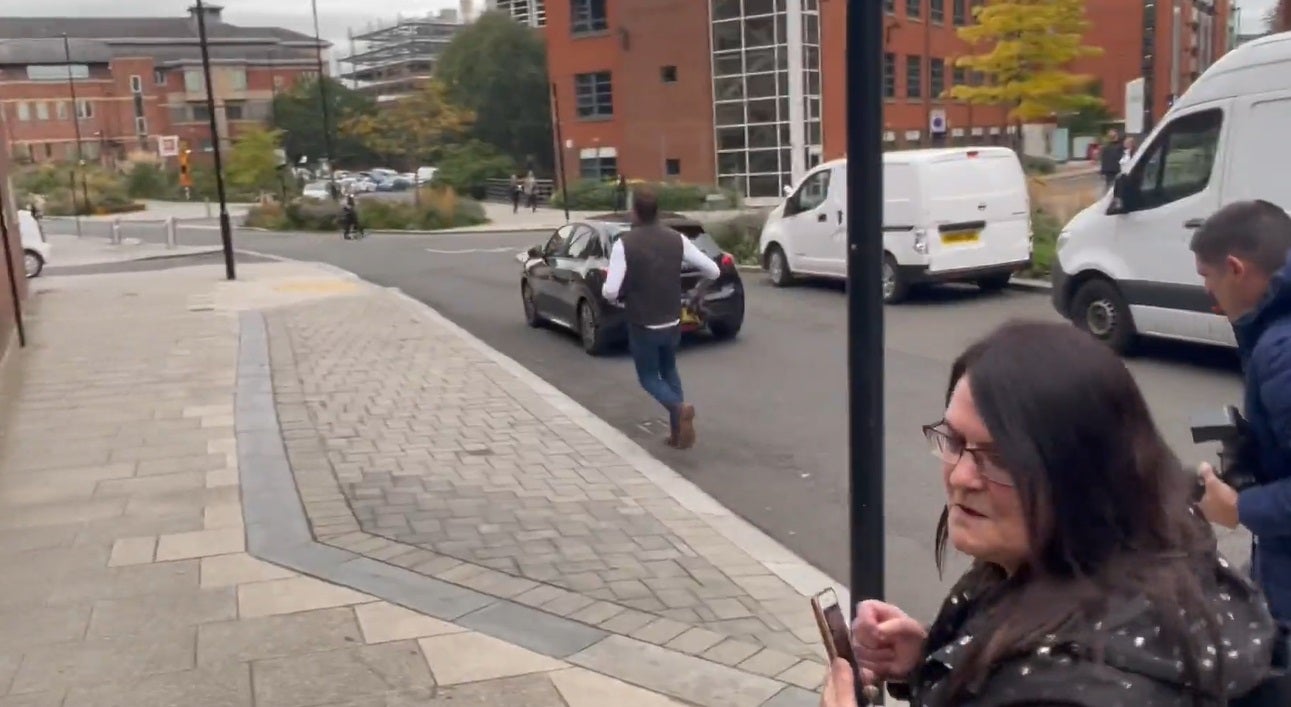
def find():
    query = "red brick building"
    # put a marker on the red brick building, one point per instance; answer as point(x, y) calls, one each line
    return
point(751, 93)
point(137, 79)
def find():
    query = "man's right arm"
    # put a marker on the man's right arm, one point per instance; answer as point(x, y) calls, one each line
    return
point(1265, 510)
point(618, 269)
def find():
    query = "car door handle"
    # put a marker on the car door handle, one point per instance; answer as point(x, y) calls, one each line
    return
point(840, 216)
point(1193, 223)
point(822, 217)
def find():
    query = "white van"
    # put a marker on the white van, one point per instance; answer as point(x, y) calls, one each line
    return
point(950, 215)
point(1123, 266)
point(35, 249)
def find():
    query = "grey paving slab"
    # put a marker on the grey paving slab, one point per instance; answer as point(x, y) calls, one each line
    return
point(277, 636)
point(672, 673)
point(536, 630)
point(221, 686)
point(528, 690)
point(364, 672)
point(793, 697)
point(100, 661)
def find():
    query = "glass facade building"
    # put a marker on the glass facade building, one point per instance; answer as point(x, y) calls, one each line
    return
point(766, 92)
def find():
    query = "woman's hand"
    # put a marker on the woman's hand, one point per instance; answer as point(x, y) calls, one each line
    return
point(888, 643)
point(840, 686)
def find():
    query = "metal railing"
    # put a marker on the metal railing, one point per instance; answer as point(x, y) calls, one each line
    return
point(500, 190)
point(168, 227)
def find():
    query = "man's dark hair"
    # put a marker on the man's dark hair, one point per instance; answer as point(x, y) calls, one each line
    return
point(1258, 232)
point(645, 205)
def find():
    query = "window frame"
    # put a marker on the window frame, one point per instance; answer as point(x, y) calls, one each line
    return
point(588, 85)
point(1160, 194)
point(582, 21)
point(914, 76)
point(793, 205)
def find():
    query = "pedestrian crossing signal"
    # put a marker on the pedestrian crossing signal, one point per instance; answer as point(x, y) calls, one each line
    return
point(185, 178)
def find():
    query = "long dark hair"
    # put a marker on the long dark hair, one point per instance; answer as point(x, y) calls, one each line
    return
point(1107, 505)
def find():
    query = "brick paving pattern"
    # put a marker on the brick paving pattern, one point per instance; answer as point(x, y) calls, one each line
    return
point(411, 446)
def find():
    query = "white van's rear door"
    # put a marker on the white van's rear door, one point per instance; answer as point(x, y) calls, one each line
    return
point(979, 208)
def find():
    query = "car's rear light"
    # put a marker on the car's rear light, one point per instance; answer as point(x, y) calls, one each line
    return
point(972, 153)
point(727, 261)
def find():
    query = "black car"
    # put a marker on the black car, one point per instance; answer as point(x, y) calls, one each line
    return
point(562, 280)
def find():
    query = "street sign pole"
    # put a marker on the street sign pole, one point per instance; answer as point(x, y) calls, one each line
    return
point(226, 231)
point(560, 149)
point(865, 297)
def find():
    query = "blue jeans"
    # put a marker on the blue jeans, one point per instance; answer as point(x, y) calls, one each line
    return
point(654, 351)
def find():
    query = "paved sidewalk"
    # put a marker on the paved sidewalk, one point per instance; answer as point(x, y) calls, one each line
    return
point(483, 539)
point(70, 251)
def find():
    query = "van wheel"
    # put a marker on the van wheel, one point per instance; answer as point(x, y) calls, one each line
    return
point(1099, 309)
point(895, 287)
point(994, 283)
point(778, 267)
point(32, 263)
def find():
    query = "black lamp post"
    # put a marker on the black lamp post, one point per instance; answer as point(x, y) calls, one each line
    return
point(226, 231)
point(322, 98)
point(76, 125)
point(865, 296)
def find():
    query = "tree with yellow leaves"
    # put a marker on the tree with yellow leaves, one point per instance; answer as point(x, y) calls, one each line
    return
point(414, 130)
point(1027, 47)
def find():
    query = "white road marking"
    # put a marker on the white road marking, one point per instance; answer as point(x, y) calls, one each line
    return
point(505, 249)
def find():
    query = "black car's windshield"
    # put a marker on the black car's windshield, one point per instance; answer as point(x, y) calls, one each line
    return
point(694, 232)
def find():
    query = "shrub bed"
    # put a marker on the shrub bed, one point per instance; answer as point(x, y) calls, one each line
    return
point(595, 195)
point(105, 190)
point(439, 208)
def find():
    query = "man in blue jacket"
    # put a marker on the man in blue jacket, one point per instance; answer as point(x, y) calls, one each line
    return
point(1242, 254)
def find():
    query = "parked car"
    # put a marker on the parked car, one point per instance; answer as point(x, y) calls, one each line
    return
point(316, 190)
point(1124, 266)
point(959, 214)
point(426, 175)
point(561, 283)
point(35, 249)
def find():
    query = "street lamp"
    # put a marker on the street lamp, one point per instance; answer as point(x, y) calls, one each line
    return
point(76, 124)
point(226, 231)
point(322, 98)
point(865, 298)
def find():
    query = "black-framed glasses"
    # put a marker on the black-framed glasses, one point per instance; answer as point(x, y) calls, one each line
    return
point(950, 448)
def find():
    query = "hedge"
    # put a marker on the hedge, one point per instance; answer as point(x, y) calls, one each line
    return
point(595, 195)
point(439, 208)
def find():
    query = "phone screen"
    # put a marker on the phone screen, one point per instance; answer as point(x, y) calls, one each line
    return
point(833, 626)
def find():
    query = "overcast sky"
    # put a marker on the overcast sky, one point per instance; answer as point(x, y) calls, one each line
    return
point(336, 16)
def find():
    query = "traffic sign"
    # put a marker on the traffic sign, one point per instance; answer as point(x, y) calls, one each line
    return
point(937, 121)
point(168, 145)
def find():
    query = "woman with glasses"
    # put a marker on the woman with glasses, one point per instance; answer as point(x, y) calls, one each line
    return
point(1094, 582)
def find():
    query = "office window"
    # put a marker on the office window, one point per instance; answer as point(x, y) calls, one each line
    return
point(588, 16)
point(960, 76)
point(194, 82)
point(136, 84)
point(42, 111)
point(84, 109)
point(233, 111)
point(61, 110)
point(57, 72)
point(141, 126)
point(937, 10)
point(936, 77)
point(890, 6)
point(960, 12)
point(672, 166)
point(914, 77)
point(668, 74)
point(159, 77)
point(24, 110)
point(199, 112)
point(914, 9)
point(599, 168)
point(594, 95)
point(889, 75)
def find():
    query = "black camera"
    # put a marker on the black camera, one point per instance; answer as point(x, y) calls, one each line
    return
point(1238, 457)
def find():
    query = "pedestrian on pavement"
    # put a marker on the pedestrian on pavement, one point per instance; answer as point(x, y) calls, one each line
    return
point(1109, 158)
point(1093, 580)
point(1130, 145)
point(645, 271)
point(531, 191)
point(621, 195)
point(1241, 254)
point(516, 191)
point(350, 218)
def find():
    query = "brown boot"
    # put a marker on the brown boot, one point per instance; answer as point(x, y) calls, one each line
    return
point(686, 426)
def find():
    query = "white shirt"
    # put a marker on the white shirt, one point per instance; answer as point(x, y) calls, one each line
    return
point(690, 255)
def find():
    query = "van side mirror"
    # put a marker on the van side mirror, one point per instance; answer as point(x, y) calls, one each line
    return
point(535, 252)
point(1124, 196)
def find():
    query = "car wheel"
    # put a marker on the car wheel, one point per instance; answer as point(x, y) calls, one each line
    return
point(589, 329)
point(778, 267)
point(32, 263)
point(895, 287)
point(726, 329)
point(994, 283)
point(531, 316)
point(1099, 309)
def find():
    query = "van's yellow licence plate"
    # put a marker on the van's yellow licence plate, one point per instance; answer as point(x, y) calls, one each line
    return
point(961, 237)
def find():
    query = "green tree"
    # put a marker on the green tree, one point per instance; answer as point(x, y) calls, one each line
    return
point(497, 68)
point(1026, 48)
point(467, 168)
point(252, 163)
point(414, 130)
point(297, 113)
